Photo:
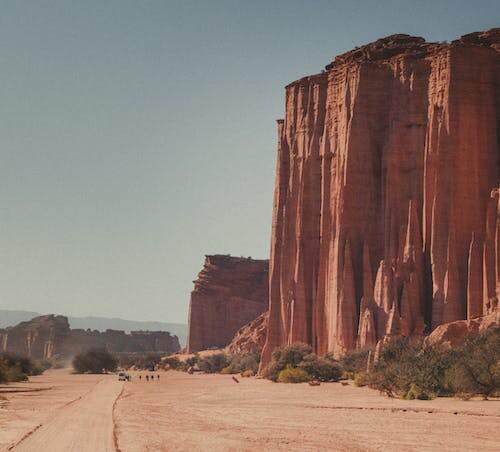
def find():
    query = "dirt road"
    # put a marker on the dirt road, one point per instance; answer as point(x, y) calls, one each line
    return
point(85, 424)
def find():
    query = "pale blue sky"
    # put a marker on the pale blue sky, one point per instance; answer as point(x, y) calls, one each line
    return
point(137, 136)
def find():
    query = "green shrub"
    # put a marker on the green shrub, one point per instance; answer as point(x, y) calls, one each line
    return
point(416, 393)
point(212, 364)
point(172, 362)
point(403, 365)
point(322, 369)
point(361, 379)
point(354, 362)
point(242, 363)
point(95, 361)
point(417, 372)
point(192, 360)
point(476, 367)
point(286, 356)
point(14, 367)
point(293, 375)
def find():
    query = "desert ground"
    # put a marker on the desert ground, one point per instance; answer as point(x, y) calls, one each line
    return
point(58, 411)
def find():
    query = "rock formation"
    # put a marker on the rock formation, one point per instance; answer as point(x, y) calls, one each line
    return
point(49, 335)
point(385, 216)
point(229, 293)
point(454, 334)
point(39, 338)
point(251, 337)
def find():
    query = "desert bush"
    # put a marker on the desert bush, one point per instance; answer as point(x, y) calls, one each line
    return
point(95, 361)
point(361, 379)
point(14, 367)
point(416, 393)
point(3, 373)
point(354, 362)
point(293, 375)
point(139, 360)
point(476, 367)
point(248, 373)
point(192, 360)
point(212, 364)
point(241, 363)
point(172, 362)
point(403, 365)
point(286, 356)
point(322, 369)
point(299, 356)
point(417, 372)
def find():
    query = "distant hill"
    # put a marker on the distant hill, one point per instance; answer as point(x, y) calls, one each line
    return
point(11, 318)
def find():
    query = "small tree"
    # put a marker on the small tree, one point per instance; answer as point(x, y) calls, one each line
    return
point(95, 361)
point(477, 366)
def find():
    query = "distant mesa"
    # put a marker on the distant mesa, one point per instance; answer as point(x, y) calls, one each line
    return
point(12, 317)
point(229, 293)
point(49, 336)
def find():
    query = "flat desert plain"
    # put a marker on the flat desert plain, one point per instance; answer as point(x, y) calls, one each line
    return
point(58, 411)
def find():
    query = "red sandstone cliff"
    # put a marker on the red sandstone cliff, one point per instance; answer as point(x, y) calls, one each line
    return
point(385, 217)
point(49, 335)
point(229, 293)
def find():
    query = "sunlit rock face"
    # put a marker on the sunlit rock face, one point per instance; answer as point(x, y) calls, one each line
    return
point(229, 293)
point(251, 337)
point(385, 217)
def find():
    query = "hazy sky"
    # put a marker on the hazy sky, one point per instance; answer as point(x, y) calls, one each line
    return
point(137, 136)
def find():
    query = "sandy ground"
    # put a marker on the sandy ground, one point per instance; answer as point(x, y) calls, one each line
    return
point(183, 412)
point(211, 412)
point(58, 411)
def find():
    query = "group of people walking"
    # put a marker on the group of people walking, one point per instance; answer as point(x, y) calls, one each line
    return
point(150, 377)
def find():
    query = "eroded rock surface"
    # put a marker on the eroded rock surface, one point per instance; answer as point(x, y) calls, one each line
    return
point(385, 215)
point(251, 337)
point(454, 334)
point(229, 293)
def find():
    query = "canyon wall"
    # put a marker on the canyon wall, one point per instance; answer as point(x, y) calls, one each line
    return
point(47, 336)
point(385, 216)
point(229, 293)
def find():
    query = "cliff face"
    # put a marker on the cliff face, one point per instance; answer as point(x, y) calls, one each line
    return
point(41, 337)
point(47, 336)
point(229, 293)
point(385, 217)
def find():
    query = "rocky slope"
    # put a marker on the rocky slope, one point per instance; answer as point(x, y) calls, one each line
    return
point(229, 293)
point(385, 215)
point(251, 337)
point(49, 335)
